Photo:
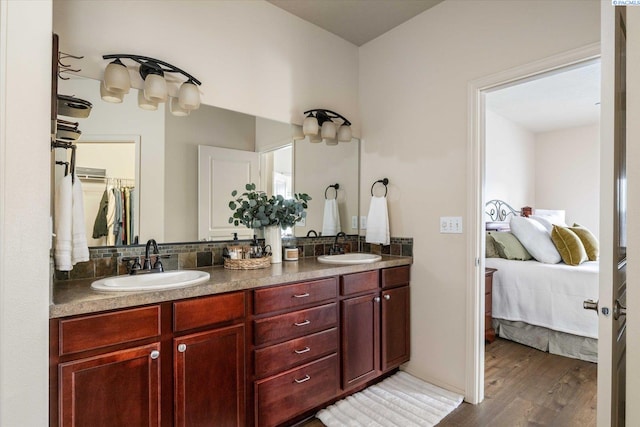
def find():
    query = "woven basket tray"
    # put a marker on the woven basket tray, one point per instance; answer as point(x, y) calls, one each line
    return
point(247, 264)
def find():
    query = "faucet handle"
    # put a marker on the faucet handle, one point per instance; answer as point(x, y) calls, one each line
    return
point(133, 264)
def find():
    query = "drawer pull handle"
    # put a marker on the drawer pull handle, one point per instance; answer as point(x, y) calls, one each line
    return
point(387, 297)
point(304, 350)
point(303, 380)
point(306, 322)
point(306, 294)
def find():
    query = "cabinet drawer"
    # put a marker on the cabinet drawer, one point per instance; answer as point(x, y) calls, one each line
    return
point(102, 330)
point(396, 276)
point(198, 312)
point(293, 392)
point(359, 282)
point(293, 325)
point(294, 296)
point(280, 357)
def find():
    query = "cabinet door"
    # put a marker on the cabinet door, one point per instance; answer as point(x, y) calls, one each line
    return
point(115, 389)
point(395, 327)
point(210, 378)
point(360, 339)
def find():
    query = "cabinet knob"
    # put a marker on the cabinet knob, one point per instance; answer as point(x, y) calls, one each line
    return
point(387, 297)
point(154, 354)
point(376, 299)
point(303, 380)
point(182, 348)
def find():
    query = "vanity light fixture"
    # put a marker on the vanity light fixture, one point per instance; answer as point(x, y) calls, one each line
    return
point(117, 83)
point(320, 125)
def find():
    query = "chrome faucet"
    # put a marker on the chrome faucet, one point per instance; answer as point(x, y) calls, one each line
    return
point(335, 249)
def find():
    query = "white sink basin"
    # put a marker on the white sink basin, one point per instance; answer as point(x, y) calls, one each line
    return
point(151, 281)
point(352, 258)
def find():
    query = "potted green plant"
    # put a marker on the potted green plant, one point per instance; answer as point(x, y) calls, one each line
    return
point(254, 209)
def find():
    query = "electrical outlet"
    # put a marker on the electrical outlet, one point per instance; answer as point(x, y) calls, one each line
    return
point(354, 222)
point(451, 224)
point(363, 223)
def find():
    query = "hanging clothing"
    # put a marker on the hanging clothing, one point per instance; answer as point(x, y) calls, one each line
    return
point(100, 224)
point(111, 216)
point(132, 224)
point(117, 221)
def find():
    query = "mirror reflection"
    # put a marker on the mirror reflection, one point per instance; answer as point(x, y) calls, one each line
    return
point(160, 154)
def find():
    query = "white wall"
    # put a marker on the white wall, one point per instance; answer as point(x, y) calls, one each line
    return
point(413, 99)
point(510, 162)
point(251, 56)
point(205, 126)
point(567, 174)
point(25, 167)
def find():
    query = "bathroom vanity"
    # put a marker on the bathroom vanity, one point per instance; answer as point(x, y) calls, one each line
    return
point(264, 347)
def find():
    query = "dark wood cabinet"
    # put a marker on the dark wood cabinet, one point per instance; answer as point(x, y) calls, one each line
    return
point(360, 324)
point(120, 388)
point(266, 357)
point(489, 332)
point(395, 327)
point(209, 378)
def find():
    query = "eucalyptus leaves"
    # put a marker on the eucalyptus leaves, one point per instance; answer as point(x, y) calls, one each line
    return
point(254, 209)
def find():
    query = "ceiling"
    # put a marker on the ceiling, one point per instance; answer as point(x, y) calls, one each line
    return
point(357, 21)
point(559, 100)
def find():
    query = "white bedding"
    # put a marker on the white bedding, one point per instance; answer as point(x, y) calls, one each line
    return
point(548, 295)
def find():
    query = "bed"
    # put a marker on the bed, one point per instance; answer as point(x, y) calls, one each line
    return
point(540, 305)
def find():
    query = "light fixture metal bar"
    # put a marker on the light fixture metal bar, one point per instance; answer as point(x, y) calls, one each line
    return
point(324, 115)
point(150, 62)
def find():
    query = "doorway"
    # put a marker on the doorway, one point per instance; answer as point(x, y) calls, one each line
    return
point(478, 91)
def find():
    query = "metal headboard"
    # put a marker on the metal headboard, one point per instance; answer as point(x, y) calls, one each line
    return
point(498, 210)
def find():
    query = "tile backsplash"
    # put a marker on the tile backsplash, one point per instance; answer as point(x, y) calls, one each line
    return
point(108, 261)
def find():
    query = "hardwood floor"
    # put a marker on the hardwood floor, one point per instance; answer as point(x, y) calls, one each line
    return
point(527, 387)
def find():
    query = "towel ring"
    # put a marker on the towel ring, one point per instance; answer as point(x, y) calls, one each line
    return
point(336, 186)
point(385, 182)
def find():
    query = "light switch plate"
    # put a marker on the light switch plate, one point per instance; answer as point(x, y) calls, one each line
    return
point(451, 224)
point(301, 223)
point(363, 223)
point(354, 222)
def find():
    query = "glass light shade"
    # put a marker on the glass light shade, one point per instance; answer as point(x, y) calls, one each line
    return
point(328, 130)
point(315, 138)
point(144, 103)
point(298, 135)
point(176, 109)
point(109, 96)
point(344, 133)
point(155, 88)
point(310, 126)
point(189, 96)
point(330, 141)
point(116, 78)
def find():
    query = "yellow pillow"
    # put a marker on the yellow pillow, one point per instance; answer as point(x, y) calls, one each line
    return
point(569, 245)
point(589, 241)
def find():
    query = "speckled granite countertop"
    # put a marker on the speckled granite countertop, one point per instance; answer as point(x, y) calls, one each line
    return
point(76, 296)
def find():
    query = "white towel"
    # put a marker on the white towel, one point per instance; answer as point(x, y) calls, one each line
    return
point(63, 217)
point(378, 222)
point(79, 248)
point(331, 220)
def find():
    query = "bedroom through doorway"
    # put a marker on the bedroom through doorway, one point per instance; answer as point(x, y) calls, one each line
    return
point(542, 153)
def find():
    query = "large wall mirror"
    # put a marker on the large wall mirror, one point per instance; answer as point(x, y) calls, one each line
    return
point(155, 155)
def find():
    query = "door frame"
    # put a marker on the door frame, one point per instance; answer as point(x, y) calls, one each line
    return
point(476, 146)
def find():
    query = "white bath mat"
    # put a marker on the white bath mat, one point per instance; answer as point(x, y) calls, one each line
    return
point(399, 401)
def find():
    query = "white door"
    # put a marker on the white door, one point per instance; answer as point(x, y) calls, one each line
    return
point(613, 222)
point(220, 171)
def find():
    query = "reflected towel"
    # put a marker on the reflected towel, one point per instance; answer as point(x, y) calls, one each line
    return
point(378, 222)
point(331, 220)
point(79, 248)
point(63, 224)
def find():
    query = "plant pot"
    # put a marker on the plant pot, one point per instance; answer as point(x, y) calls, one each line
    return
point(273, 238)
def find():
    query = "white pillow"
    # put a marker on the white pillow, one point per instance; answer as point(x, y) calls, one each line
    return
point(535, 238)
point(554, 216)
